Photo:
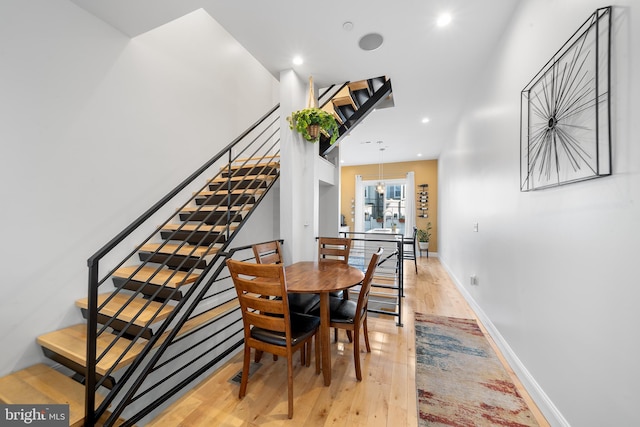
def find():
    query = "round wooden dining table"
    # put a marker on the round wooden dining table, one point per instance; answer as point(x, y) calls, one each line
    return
point(322, 278)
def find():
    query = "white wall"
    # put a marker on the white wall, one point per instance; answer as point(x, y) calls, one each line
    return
point(556, 268)
point(95, 128)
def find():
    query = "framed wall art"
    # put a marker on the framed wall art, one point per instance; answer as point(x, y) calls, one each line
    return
point(565, 133)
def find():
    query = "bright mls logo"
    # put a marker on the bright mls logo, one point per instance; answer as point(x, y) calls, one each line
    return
point(34, 415)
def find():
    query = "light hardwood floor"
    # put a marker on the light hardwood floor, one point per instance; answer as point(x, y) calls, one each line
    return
point(385, 397)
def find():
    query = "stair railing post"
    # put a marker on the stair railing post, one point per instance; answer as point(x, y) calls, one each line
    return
point(229, 196)
point(92, 336)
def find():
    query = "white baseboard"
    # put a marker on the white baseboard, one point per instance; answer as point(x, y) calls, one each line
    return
point(546, 406)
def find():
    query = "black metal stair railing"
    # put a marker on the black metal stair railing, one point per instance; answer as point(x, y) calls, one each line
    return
point(188, 264)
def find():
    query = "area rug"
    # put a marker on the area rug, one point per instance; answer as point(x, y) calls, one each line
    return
point(460, 380)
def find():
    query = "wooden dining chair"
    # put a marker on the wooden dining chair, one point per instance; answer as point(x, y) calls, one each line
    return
point(352, 316)
point(334, 249)
point(268, 324)
point(271, 253)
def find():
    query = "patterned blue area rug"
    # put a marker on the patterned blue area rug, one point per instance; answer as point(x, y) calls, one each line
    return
point(460, 380)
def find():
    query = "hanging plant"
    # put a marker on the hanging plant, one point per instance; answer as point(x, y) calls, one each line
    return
point(310, 122)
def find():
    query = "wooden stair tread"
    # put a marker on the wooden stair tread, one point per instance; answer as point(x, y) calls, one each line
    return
point(170, 278)
point(176, 249)
point(133, 307)
point(359, 85)
point(198, 227)
point(343, 97)
point(237, 166)
point(256, 159)
point(42, 385)
point(71, 342)
point(261, 177)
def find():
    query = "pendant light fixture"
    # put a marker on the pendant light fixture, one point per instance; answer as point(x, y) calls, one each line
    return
point(380, 186)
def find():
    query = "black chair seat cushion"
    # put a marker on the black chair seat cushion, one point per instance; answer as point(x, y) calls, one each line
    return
point(303, 303)
point(341, 310)
point(302, 327)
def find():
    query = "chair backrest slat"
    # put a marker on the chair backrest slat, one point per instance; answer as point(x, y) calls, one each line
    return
point(268, 252)
point(334, 249)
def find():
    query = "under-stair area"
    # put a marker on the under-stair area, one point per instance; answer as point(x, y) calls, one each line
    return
point(157, 316)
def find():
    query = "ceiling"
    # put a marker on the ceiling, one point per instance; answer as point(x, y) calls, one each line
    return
point(432, 69)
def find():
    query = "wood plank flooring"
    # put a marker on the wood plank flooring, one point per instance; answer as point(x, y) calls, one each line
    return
point(385, 397)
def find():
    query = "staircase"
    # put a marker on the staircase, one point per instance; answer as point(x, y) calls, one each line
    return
point(132, 354)
point(352, 102)
point(146, 295)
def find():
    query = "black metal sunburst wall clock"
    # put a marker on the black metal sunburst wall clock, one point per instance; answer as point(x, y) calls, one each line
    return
point(565, 134)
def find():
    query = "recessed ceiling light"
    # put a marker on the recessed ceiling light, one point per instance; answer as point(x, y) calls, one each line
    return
point(370, 41)
point(444, 19)
point(347, 26)
point(425, 120)
point(297, 60)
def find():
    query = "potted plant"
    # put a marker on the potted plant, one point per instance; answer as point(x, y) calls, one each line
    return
point(423, 236)
point(310, 122)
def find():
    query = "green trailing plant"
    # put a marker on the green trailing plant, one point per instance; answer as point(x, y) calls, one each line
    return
point(301, 120)
point(424, 234)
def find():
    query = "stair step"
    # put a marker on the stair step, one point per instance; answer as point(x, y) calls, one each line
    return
point(71, 343)
point(211, 217)
point(211, 198)
point(133, 307)
point(343, 98)
point(167, 277)
point(184, 250)
point(42, 385)
point(329, 108)
point(198, 227)
point(268, 168)
point(239, 178)
point(246, 163)
point(246, 160)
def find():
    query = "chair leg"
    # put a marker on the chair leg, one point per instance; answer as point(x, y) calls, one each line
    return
point(245, 372)
point(290, 385)
point(349, 335)
point(366, 334)
point(335, 334)
point(356, 354)
point(257, 356)
point(317, 345)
